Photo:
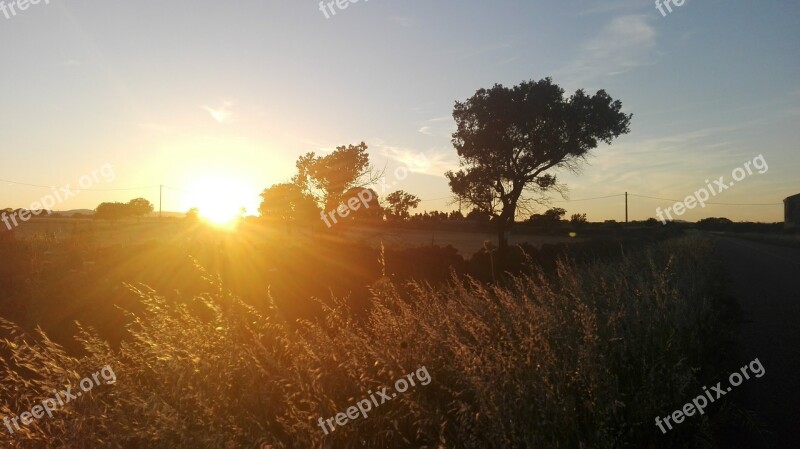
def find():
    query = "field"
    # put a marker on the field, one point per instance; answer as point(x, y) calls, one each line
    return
point(467, 242)
point(247, 338)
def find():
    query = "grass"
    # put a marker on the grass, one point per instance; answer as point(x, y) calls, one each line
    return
point(585, 358)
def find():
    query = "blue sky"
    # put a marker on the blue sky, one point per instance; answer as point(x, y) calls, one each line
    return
point(220, 98)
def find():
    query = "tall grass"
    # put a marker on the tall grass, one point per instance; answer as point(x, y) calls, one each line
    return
point(583, 359)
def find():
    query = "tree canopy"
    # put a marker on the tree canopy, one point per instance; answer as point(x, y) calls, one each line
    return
point(328, 177)
point(509, 139)
point(400, 203)
point(138, 208)
point(287, 203)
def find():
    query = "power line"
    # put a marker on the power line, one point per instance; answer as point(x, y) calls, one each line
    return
point(707, 202)
point(82, 190)
point(590, 199)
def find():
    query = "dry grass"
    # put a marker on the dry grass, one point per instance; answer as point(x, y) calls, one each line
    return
point(585, 359)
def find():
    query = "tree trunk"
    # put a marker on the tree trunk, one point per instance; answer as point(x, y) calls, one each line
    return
point(502, 246)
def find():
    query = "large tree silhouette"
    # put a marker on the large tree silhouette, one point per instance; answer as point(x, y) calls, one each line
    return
point(509, 138)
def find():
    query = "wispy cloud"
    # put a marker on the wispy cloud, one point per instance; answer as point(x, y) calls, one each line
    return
point(432, 162)
point(221, 114)
point(625, 43)
point(665, 166)
point(439, 127)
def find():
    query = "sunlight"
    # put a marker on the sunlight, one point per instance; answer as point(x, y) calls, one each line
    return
point(218, 201)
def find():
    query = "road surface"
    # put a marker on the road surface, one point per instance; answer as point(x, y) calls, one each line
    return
point(765, 280)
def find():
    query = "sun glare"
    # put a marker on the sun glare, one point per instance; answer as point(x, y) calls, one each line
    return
point(219, 202)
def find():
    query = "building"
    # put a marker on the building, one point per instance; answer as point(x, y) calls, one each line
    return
point(791, 216)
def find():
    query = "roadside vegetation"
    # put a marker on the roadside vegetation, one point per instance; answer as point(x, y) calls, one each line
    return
point(584, 356)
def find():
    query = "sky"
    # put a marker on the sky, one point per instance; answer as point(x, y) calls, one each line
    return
point(217, 100)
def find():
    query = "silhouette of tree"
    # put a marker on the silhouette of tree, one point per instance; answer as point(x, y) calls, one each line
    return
point(578, 219)
point(327, 178)
point(508, 139)
point(455, 215)
point(400, 203)
point(479, 215)
point(193, 214)
point(111, 211)
point(370, 210)
point(139, 207)
point(550, 217)
point(288, 204)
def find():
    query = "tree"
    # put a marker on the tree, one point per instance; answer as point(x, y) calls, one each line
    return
point(288, 204)
point(479, 215)
point(508, 139)
point(327, 178)
point(367, 207)
point(715, 224)
point(193, 214)
point(455, 215)
point(111, 211)
point(550, 217)
point(578, 219)
point(400, 203)
point(139, 207)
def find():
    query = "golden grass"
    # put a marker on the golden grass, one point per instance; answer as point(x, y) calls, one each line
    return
point(583, 359)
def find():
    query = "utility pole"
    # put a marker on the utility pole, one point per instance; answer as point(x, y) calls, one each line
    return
point(626, 207)
point(160, 194)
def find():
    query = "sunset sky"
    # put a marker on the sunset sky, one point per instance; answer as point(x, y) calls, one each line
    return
point(218, 99)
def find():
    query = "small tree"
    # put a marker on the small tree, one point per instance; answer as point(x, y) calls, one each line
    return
point(550, 217)
point(139, 207)
point(479, 215)
point(368, 210)
point(287, 203)
point(578, 219)
point(400, 203)
point(193, 215)
point(111, 211)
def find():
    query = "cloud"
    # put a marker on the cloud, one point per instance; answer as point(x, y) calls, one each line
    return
point(664, 166)
point(222, 114)
point(625, 43)
point(431, 162)
point(439, 127)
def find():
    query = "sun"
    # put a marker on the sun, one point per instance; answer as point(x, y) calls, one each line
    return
point(220, 201)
